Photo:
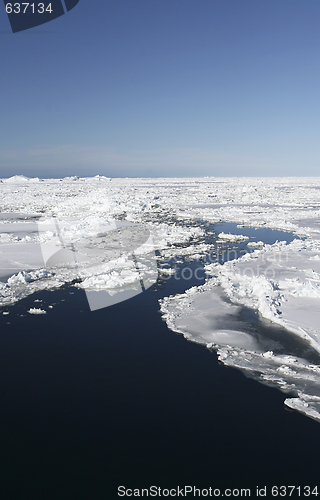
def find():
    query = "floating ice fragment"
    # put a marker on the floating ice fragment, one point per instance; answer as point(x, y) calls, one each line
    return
point(34, 310)
point(255, 244)
point(232, 237)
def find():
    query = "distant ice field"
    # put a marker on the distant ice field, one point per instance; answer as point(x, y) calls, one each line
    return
point(209, 220)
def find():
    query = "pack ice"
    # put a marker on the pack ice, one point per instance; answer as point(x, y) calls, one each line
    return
point(280, 281)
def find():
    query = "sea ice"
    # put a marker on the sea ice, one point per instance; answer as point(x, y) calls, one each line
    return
point(34, 310)
point(281, 281)
point(232, 237)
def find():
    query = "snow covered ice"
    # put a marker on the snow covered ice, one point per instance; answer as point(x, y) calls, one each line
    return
point(280, 281)
point(232, 237)
point(35, 310)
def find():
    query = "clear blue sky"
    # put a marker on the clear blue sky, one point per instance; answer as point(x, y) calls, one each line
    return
point(163, 88)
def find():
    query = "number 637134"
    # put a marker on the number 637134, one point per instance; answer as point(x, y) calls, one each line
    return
point(21, 8)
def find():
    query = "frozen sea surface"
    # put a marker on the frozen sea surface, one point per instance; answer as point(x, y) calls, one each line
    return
point(277, 280)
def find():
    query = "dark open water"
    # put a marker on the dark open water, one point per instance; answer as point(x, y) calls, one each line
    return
point(94, 400)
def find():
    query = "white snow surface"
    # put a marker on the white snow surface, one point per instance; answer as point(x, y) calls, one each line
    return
point(280, 281)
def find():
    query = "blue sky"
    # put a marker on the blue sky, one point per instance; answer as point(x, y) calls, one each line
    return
point(163, 88)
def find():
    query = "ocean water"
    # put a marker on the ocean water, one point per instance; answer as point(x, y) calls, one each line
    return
point(268, 236)
point(94, 400)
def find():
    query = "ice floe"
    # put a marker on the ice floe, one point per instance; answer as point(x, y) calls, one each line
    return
point(204, 315)
point(34, 310)
point(255, 244)
point(232, 237)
